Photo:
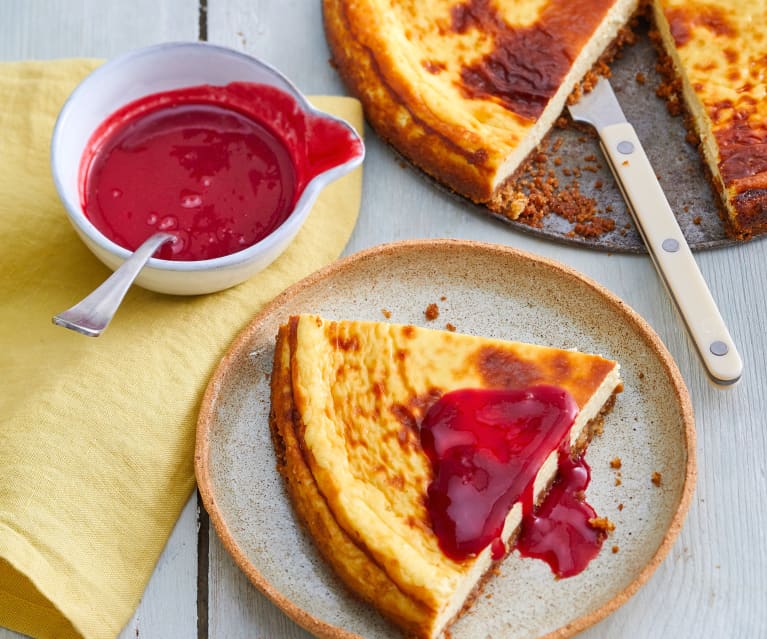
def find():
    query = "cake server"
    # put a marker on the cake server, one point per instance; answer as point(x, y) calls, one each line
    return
point(660, 231)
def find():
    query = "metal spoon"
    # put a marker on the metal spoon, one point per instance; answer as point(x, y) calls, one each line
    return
point(92, 315)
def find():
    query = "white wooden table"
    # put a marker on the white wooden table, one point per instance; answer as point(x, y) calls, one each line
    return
point(714, 581)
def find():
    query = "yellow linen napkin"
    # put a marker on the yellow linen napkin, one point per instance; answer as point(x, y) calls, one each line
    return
point(97, 435)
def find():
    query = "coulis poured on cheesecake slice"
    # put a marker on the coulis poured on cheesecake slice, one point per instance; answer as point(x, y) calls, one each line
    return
point(486, 448)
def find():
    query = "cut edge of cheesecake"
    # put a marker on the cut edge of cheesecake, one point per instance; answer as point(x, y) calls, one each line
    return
point(699, 126)
point(440, 156)
point(351, 561)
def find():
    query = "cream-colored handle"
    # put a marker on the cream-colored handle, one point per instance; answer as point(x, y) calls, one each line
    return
point(671, 254)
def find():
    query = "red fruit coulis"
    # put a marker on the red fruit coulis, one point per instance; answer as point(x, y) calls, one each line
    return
point(558, 531)
point(486, 447)
point(219, 167)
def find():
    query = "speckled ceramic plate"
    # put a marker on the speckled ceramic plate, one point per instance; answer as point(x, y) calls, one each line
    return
point(481, 289)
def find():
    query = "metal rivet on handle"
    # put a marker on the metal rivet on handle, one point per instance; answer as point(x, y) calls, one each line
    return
point(718, 348)
point(670, 245)
point(625, 147)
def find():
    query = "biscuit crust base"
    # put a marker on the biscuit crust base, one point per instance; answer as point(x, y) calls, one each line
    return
point(359, 572)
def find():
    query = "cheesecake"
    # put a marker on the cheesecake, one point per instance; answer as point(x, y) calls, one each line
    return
point(363, 420)
point(718, 57)
point(467, 89)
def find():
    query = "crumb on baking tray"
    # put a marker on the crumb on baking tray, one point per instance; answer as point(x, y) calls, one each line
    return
point(431, 312)
point(657, 478)
point(386, 313)
point(538, 193)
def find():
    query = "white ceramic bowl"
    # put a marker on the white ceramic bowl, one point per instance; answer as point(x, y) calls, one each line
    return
point(157, 69)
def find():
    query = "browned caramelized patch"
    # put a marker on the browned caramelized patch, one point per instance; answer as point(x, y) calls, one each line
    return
point(502, 369)
point(347, 343)
point(433, 67)
point(560, 367)
point(408, 331)
point(742, 147)
point(683, 20)
point(404, 416)
point(527, 64)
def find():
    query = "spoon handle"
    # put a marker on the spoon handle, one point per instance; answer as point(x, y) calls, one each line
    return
point(92, 315)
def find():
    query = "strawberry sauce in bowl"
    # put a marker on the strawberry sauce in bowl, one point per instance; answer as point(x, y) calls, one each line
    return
point(205, 143)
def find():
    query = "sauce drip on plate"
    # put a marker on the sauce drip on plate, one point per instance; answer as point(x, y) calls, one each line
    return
point(559, 531)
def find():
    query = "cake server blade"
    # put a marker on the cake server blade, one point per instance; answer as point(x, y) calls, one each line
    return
point(660, 231)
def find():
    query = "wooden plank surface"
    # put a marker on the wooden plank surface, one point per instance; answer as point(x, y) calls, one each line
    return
point(714, 581)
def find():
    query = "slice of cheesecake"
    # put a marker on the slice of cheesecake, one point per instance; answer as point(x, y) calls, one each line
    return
point(466, 89)
point(349, 402)
point(719, 55)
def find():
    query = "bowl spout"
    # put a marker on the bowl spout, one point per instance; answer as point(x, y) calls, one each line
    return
point(331, 143)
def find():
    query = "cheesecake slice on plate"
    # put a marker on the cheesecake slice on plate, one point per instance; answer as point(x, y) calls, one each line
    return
point(718, 52)
point(409, 509)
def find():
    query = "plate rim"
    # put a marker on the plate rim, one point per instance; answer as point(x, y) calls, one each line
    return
point(206, 415)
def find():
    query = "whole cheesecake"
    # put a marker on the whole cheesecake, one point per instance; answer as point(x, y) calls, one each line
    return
point(718, 53)
point(350, 402)
point(466, 89)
